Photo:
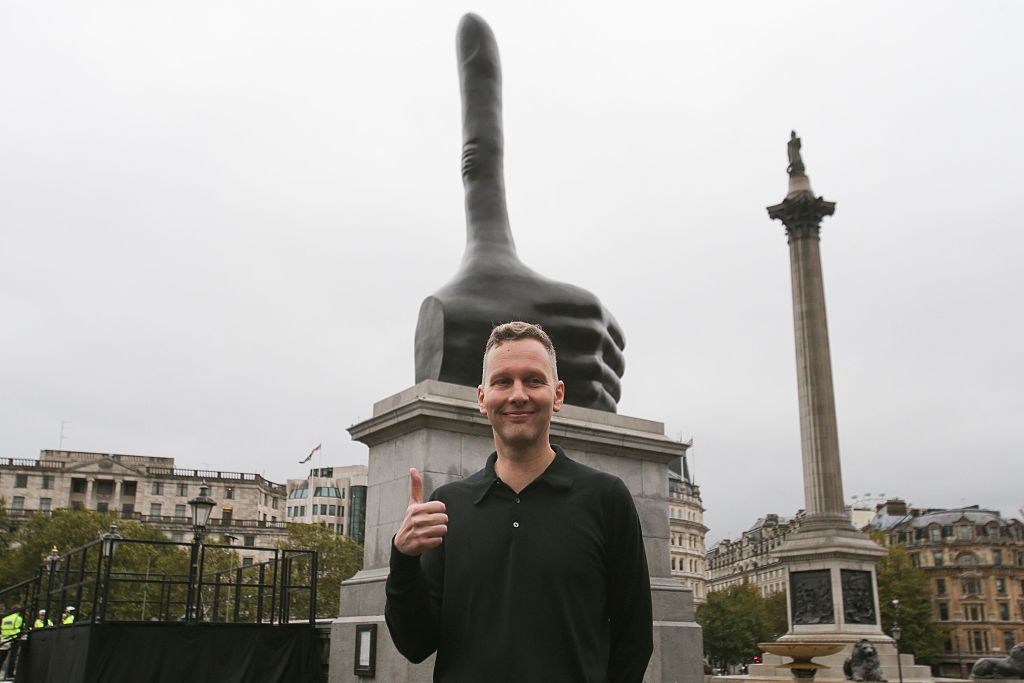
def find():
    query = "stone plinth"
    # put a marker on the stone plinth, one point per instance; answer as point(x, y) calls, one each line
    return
point(437, 428)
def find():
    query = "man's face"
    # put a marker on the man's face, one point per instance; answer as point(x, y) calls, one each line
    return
point(520, 393)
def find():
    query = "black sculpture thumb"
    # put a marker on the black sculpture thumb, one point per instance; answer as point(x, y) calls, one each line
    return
point(492, 285)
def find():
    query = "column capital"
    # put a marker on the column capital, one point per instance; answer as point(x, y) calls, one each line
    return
point(801, 213)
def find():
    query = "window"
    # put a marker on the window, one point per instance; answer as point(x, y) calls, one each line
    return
point(1001, 586)
point(229, 492)
point(47, 481)
point(332, 510)
point(21, 481)
point(943, 612)
point(182, 489)
point(246, 561)
point(273, 518)
point(158, 488)
point(102, 507)
point(249, 541)
point(1008, 640)
point(177, 536)
point(997, 557)
point(299, 493)
point(129, 488)
point(76, 505)
point(963, 532)
point(179, 510)
point(78, 485)
point(974, 613)
point(940, 586)
point(45, 504)
point(970, 587)
point(18, 503)
point(104, 487)
point(302, 510)
point(979, 641)
point(937, 558)
point(127, 509)
point(225, 515)
point(273, 502)
point(155, 509)
point(1004, 611)
point(967, 560)
point(935, 533)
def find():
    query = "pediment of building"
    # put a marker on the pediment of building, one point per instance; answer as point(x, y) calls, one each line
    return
point(104, 466)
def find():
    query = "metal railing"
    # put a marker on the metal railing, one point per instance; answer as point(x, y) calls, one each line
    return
point(129, 580)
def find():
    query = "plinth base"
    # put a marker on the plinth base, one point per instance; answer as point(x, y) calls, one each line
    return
point(437, 428)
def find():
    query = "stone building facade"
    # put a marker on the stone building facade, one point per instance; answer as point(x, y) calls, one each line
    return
point(250, 510)
point(335, 496)
point(752, 558)
point(686, 530)
point(974, 560)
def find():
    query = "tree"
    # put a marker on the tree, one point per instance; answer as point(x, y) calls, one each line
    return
point(899, 580)
point(338, 558)
point(778, 618)
point(734, 621)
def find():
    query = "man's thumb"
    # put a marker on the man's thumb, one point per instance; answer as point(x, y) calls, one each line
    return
point(415, 486)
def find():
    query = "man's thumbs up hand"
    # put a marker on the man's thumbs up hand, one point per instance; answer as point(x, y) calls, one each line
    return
point(425, 524)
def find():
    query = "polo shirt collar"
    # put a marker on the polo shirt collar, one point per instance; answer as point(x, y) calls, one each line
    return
point(557, 475)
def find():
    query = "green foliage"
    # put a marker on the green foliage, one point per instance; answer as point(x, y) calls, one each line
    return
point(734, 621)
point(66, 529)
point(338, 558)
point(898, 579)
point(778, 618)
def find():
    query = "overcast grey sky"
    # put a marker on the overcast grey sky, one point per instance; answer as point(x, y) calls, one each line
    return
point(218, 220)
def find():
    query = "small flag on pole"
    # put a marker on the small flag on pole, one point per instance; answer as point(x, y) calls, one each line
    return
point(310, 456)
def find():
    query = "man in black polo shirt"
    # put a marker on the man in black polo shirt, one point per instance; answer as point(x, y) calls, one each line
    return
point(532, 569)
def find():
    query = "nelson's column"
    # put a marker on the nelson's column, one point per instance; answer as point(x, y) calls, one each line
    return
point(830, 566)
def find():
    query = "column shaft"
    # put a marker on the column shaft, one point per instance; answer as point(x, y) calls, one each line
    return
point(823, 482)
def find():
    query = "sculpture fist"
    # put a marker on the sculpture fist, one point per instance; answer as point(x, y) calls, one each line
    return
point(492, 285)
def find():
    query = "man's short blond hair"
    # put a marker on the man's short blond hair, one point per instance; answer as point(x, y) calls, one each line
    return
point(515, 331)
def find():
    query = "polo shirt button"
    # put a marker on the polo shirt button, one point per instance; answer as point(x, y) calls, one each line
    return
point(515, 524)
point(517, 499)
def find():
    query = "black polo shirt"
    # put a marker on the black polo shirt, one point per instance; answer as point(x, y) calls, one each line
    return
point(550, 584)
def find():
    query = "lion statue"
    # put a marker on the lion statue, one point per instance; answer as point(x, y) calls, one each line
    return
point(863, 665)
point(1011, 666)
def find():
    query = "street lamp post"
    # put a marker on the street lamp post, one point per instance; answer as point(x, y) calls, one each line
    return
point(108, 547)
point(202, 505)
point(896, 633)
point(52, 560)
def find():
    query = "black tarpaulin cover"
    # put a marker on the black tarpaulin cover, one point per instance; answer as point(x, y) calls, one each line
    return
point(171, 653)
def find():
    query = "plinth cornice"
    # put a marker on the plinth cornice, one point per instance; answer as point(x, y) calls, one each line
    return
point(436, 405)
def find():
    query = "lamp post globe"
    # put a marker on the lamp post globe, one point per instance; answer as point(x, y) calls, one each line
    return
point(202, 505)
point(110, 539)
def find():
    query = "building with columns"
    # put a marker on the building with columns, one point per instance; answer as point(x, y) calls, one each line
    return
point(251, 510)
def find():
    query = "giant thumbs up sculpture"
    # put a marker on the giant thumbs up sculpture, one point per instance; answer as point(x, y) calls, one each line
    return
point(492, 285)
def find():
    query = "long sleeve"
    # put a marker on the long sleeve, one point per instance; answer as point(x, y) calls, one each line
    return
point(411, 609)
point(629, 591)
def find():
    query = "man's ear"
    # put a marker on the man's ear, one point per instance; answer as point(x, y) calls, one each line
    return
point(559, 396)
point(480, 399)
